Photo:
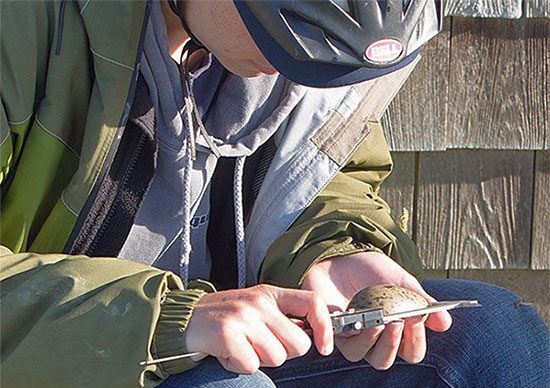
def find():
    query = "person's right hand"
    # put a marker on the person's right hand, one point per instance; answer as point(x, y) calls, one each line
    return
point(248, 328)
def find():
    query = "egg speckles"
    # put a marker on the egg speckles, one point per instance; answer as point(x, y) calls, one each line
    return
point(391, 299)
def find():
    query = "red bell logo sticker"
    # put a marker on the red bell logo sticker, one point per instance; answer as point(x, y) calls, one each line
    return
point(384, 51)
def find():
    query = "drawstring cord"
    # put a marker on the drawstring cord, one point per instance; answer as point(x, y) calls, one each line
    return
point(189, 156)
point(186, 227)
point(194, 107)
point(239, 221)
point(192, 117)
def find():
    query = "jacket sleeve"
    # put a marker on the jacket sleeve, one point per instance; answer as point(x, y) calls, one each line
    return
point(347, 217)
point(71, 321)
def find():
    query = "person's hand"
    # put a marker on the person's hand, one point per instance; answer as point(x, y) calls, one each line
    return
point(248, 328)
point(339, 278)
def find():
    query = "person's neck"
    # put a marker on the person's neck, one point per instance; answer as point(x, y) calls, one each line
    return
point(177, 37)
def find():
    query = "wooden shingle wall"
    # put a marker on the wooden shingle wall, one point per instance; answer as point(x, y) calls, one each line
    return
point(471, 146)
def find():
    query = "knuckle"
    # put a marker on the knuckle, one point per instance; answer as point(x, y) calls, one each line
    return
point(257, 299)
point(228, 330)
point(317, 301)
point(263, 288)
point(263, 291)
point(242, 311)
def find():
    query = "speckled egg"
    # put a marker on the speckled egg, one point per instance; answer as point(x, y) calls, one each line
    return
point(391, 299)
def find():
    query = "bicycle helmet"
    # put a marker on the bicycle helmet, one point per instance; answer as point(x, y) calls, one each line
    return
point(329, 43)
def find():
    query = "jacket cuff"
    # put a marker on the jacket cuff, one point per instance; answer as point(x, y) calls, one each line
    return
point(169, 338)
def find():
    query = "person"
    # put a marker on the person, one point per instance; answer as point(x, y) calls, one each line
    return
point(157, 142)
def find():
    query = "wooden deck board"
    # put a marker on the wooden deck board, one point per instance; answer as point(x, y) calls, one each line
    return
point(499, 81)
point(474, 209)
point(540, 254)
point(415, 120)
point(484, 8)
point(537, 8)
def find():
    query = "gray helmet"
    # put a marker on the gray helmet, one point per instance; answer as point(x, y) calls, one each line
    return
point(338, 42)
point(327, 43)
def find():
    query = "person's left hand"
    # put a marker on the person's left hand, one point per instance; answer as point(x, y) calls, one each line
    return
point(339, 278)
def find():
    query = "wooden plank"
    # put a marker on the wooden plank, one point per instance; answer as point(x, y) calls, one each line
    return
point(531, 286)
point(415, 120)
point(510, 9)
point(540, 255)
point(474, 209)
point(398, 189)
point(499, 84)
point(436, 274)
point(537, 8)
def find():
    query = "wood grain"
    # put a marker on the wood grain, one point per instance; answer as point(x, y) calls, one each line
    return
point(415, 120)
point(540, 254)
point(499, 84)
point(511, 9)
point(537, 8)
point(398, 189)
point(531, 286)
point(436, 274)
point(474, 209)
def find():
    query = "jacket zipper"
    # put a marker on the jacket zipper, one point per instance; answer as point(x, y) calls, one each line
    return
point(127, 174)
point(69, 245)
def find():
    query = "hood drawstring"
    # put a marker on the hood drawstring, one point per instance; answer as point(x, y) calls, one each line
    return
point(193, 119)
point(239, 220)
point(185, 250)
point(190, 156)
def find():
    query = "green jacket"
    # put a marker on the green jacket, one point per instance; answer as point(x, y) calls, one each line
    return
point(67, 78)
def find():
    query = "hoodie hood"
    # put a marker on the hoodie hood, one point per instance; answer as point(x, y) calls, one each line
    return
point(200, 116)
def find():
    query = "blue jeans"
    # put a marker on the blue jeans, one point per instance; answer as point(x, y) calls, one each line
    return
point(502, 344)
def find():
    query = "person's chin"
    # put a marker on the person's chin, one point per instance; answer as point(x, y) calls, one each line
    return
point(265, 68)
point(248, 68)
point(250, 73)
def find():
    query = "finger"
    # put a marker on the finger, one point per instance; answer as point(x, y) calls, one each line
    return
point(310, 305)
point(437, 321)
point(240, 358)
point(268, 348)
point(355, 348)
point(382, 355)
point(413, 344)
point(295, 341)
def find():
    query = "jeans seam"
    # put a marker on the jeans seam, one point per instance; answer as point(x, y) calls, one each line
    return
point(321, 373)
point(365, 365)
